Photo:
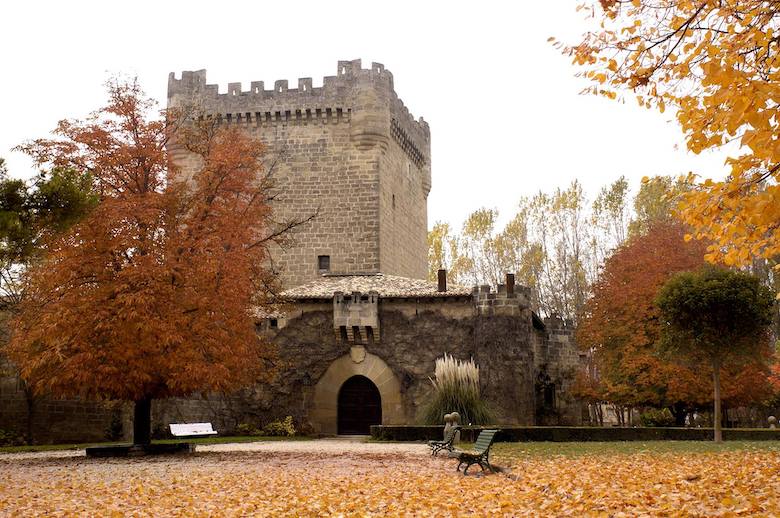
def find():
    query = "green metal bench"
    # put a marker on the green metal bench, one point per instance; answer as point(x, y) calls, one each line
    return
point(446, 444)
point(481, 452)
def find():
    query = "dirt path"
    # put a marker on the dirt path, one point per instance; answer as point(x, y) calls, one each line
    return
point(319, 446)
point(329, 446)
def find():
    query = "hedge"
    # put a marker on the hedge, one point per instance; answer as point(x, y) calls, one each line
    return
point(571, 433)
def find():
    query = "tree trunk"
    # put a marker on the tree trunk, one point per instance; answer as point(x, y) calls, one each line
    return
point(679, 412)
point(142, 422)
point(30, 397)
point(716, 414)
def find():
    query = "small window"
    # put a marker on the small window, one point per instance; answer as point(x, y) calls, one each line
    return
point(274, 323)
point(323, 262)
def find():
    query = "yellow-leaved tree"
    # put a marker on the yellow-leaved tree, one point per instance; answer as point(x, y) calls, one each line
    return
point(716, 62)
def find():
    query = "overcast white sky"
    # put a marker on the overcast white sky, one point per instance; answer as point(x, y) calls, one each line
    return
point(503, 105)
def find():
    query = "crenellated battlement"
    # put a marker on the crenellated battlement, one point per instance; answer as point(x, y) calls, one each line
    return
point(508, 299)
point(349, 72)
point(339, 97)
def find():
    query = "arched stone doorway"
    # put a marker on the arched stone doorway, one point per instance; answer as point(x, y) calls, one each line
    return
point(359, 406)
point(323, 408)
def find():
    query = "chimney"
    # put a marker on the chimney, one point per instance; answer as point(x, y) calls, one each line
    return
point(510, 284)
point(442, 280)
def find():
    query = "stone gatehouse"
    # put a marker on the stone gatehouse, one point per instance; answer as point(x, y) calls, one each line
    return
point(362, 328)
point(359, 349)
point(391, 330)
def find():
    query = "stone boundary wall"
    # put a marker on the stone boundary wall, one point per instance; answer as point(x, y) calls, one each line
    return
point(572, 434)
point(53, 420)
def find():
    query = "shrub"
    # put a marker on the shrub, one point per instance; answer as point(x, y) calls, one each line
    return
point(280, 428)
point(115, 430)
point(456, 389)
point(10, 438)
point(161, 431)
point(247, 429)
point(657, 417)
point(571, 433)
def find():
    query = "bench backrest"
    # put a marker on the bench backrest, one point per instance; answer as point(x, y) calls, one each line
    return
point(484, 440)
point(192, 429)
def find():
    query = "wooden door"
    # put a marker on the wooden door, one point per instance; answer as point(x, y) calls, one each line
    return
point(359, 406)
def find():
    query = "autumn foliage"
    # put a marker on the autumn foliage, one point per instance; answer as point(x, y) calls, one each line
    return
point(621, 326)
point(150, 295)
point(714, 62)
point(716, 317)
point(308, 480)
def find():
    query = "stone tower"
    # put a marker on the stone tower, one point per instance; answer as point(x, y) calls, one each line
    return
point(349, 150)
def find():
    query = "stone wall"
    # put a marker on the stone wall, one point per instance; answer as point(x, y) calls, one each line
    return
point(346, 151)
point(519, 357)
point(557, 361)
point(494, 328)
point(52, 420)
point(403, 213)
point(413, 336)
point(505, 340)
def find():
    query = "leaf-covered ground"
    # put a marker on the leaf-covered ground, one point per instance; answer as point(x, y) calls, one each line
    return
point(195, 440)
point(373, 480)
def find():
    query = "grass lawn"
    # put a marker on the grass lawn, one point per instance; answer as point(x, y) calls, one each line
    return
point(200, 440)
point(514, 450)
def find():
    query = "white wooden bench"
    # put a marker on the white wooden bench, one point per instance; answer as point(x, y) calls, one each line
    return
point(191, 429)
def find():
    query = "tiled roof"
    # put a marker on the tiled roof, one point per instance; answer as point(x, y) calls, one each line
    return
point(388, 286)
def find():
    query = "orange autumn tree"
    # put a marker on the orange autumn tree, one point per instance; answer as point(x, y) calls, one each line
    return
point(715, 62)
point(150, 295)
point(621, 326)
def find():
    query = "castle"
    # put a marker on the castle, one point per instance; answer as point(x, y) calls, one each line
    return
point(348, 151)
point(363, 328)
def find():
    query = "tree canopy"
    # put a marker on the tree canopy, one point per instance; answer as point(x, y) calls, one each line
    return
point(717, 317)
point(620, 325)
point(714, 62)
point(152, 293)
point(555, 243)
point(31, 213)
